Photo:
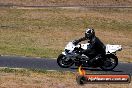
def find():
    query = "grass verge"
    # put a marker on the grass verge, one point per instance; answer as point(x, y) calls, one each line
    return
point(25, 78)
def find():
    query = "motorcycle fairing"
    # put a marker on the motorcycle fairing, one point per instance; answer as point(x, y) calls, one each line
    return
point(112, 48)
point(70, 46)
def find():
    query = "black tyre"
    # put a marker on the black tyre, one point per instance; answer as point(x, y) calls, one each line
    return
point(63, 62)
point(110, 62)
point(81, 80)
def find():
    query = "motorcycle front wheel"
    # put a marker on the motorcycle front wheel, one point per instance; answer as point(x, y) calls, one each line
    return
point(63, 62)
point(110, 62)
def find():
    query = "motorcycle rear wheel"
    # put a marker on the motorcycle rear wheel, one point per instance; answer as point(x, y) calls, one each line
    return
point(111, 61)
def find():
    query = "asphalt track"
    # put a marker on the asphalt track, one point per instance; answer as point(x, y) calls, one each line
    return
point(48, 6)
point(50, 64)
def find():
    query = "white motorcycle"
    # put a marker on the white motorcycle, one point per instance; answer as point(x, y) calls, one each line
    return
point(71, 55)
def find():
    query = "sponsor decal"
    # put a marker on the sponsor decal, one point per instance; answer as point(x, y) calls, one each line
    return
point(83, 78)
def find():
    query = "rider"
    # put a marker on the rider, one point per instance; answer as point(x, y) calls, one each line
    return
point(95, 47)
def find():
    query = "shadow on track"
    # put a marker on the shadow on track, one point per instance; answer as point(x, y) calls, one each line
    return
point(96, 69)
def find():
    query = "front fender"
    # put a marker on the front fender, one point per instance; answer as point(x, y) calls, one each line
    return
point(63, 53)
point(70, 56)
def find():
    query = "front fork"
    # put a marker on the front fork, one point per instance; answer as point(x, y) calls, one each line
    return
point(72, 56)
point(68, 57)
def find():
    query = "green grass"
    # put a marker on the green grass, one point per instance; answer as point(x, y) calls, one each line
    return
point(28, 72)
point(44, 32)
point(27, 51)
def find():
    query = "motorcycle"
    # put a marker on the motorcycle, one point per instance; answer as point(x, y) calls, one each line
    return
point(72, 55)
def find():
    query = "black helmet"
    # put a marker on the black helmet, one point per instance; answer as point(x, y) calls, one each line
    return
point(89, 34)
